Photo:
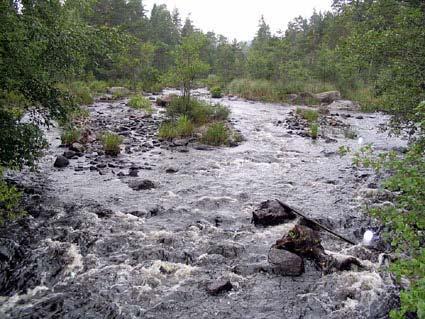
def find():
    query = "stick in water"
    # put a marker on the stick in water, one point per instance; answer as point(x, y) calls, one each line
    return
point(314, 222)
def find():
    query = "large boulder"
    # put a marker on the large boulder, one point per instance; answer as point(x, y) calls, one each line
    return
point(285, 263)
point(345, 105)
point(219, 286)
point(327, 97)
point(61, 161)
point(271, 213)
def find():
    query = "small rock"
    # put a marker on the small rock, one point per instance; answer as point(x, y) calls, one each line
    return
point(69, 154)
point(271, 213)
point(142, 185)
point(171, 170)
point(134, 172)
point(286, 263)
point(61, 161)
point(77, 147)
point(219, 286)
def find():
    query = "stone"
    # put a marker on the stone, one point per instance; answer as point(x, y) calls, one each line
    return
point(69, 154)
point(144, 184)
point(133, 172)
point(219, 286)
point(61, 161)
point(285, 263)
point(271, 213)
point(77, 147)
point(171, 170)
point(328, 97)
point(344, 105)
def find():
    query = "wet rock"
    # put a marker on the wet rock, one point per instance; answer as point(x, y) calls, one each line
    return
point(271, 213)
point(69, 154)
point(61, 161)
point(251, 268)
point(144, 184)
point(171, 170)
point(305, 242)
point(286, 263)
point(219, 286)
point(226, 249)
point(77, 147)
point(328, 97)
point(133, 172)
point(344, 105)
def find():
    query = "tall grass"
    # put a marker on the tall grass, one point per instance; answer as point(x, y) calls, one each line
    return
point(217, 134)
point(307, 114)
point(139, 102)
point(183, 127)
point(111, 143)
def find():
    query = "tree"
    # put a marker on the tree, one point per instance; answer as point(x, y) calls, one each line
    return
point(188, 63)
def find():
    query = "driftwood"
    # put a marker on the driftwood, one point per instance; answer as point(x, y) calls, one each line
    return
point(315, 223)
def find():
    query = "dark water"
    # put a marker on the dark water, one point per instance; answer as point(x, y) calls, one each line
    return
point(95, 248)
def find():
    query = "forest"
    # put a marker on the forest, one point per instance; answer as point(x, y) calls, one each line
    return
point(58, 56)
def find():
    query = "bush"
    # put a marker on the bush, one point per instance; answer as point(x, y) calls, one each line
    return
point(70, 135)
point(314, 130)
point(98, 87)
point(216, 92)
point(199, 112)
point(10, 199)
point(79, 92)
point(140, 102)
point(111, 143)
point(308, 114)
point(216, 135)
point(183, 127)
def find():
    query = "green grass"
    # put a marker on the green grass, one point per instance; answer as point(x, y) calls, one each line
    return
point(10, 199)
point(183, 127)
point(98, 87)
point(366, 98)
point(70, 135)
point(79, 92)
point(139, 102)
point(314, 130)
point(217, 134)
point(216, 92)
point(111, 143)
point(199, 112)
point(308, 114)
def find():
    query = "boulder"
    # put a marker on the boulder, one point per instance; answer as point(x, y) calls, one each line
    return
point(271, 213)
point(171, 170)
point(219, 286)
point(285, 263)
point(164, 101)
point(328, 97)
point(61, 161)
point(144, 184)
point(344, 105)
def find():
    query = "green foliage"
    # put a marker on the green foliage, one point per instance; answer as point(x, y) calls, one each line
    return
point(70, 135)
point(217, 134)
point(78, 91)
point(199, 112)
point(98, 87)
point(216, 92)
point(140, 102)
point(111, 143)
point(10, 200)
point(314, 130)
point(309, 115)
point(183, 127)
point(406, 219)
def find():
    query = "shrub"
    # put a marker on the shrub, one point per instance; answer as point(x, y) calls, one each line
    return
point(140, 102)
point(79, 92)
point(216, 135)
point(98, 87)
point(111, 143)
point(10, 199)
point(216, 92)
point(308, 114)
point(314, 130)
point(183, 127)
point(199, 112)
point(70, 135)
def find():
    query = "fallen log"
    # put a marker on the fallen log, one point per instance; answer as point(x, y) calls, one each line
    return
point(316, 223)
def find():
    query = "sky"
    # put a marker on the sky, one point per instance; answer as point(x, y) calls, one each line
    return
point(238, 19)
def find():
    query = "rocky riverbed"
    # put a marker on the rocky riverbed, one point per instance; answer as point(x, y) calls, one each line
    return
point(96, 244)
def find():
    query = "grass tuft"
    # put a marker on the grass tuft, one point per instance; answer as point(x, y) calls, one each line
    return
point(111, 143)
point(217, 134)
point(308, 114)
point(139, 102)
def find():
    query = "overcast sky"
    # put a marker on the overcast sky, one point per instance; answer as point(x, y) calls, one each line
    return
point(239, 18)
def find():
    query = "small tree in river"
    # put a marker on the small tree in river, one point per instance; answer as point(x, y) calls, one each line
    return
point(189, 65)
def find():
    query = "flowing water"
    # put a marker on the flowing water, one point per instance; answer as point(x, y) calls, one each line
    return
point(92, 247)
